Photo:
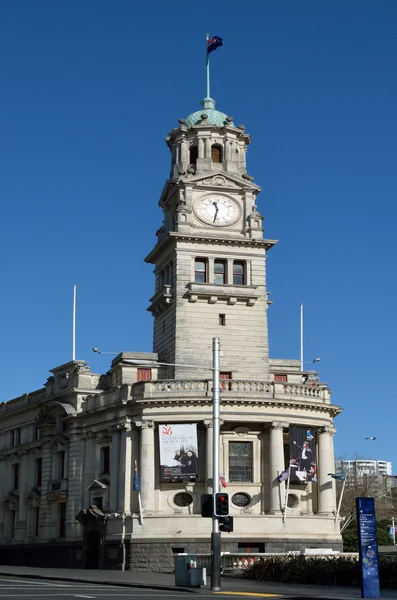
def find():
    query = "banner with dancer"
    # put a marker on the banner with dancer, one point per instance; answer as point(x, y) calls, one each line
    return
point(178, 452)
point(302, 451)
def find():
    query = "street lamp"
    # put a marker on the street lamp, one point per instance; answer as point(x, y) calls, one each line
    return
point(215, 534)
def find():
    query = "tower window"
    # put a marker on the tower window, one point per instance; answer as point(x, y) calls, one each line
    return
point(225, 381)
point(222, 320)
point(193, 155)
point(238, 273)
point(281, 378)
point(219, 272)
point(105, 460)
point(216, 153)
point(200, 270)
point(144, 374)
point(15, 476)
point(240, 461)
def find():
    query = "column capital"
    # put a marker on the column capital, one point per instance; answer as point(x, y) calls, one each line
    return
point(278, 425)
point(103, 437)
point(87, 435)
point(144, 424)
point(208, 423)
point(327, 429)
point(123, 426)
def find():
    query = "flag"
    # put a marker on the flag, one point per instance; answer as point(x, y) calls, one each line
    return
point(136, 486)
point(392, 533)
point(338, 476)
point(222, 480)
point(309, 435)
point(213, 43)
point(284, 475)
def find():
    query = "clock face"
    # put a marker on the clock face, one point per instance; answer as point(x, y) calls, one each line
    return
point(217, 210)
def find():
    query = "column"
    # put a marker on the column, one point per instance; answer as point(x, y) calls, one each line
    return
point(89, 463)
point(200, 148)
point(24, 485)
point(326, 491)
point(146, 464)
point(45, 506)
point(74, 474)
point(125, 466)
point(276, 451)
point(207, 142)
point(208, 454)
point(115, 469)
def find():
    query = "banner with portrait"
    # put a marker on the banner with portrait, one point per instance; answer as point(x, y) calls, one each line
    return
point(178, 452)
point(302, 452)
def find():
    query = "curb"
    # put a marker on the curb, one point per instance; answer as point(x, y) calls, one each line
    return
point(102, 582)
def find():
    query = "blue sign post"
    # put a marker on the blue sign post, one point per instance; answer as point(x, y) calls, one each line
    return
point(368, 547)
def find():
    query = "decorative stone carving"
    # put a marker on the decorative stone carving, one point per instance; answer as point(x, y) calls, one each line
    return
point(144, 424)
point(208, 423)
point(103, 438)
point(328, 429)
point(278, 425)
point(218, 181)
point(125, 426)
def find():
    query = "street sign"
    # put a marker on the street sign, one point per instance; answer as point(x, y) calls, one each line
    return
point(368, 547)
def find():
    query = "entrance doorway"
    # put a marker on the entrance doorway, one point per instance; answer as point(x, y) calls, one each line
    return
point(92, 550)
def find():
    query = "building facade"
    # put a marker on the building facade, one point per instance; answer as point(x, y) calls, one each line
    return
point(361, 467)
point(68, 452)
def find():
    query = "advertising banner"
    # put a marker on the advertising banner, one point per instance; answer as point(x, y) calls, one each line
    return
point(368, 547)
point(302, 452)
point(178, 452)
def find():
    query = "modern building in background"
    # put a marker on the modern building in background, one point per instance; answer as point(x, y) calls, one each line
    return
point(69, 451)
point(361, 467)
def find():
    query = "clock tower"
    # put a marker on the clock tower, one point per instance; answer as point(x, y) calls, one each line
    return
point(210, 255)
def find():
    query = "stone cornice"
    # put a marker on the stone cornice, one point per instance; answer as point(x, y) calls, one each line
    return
point(172, 237)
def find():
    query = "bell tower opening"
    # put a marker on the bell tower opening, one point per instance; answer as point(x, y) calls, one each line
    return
point(216, 153)
point(193, 156)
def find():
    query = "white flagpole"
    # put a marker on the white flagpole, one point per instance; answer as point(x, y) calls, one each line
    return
point(301, 337)
point(286, 496)
point(340, 500)
point(140, 508)
point(74, 324)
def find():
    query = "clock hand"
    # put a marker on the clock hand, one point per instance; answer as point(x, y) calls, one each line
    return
point(216, 211)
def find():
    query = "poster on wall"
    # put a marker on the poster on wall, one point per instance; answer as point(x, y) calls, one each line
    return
point(178, 452)
point(302, 451)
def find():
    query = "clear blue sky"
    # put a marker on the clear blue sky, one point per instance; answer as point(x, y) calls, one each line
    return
point(89, 91)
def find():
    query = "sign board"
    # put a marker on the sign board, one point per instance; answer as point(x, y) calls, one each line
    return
point(178, 452)
point(368, 547)
point(302, 453)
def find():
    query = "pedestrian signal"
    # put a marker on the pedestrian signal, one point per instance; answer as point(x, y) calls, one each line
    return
point(206, 505)
point(226, 524)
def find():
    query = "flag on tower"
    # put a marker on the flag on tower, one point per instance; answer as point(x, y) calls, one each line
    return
point(136, 486)
point(214, 43)
point(284, 475)
point(338, 476)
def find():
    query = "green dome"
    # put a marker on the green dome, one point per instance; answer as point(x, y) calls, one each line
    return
point(215, 117)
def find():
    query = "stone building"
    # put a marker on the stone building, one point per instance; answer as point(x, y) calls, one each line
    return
point(68, 451)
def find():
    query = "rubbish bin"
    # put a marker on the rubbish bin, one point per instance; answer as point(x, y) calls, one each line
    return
point(183, 563)
point(198, 576)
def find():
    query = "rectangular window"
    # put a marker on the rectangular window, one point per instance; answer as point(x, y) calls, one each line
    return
point(219, 272)
point(200, 270)
point(225, 381)
point(98, 502)
point(13, 521)
point(61, 465)
point(62, 519)
point(144, 374)
point(38, 471)
point(105, 460)
point(240, 461)
point(238, 273)
point(222, 320)
point(15, 476)
point(280, 378)
point(15, 436)
point(36, 521)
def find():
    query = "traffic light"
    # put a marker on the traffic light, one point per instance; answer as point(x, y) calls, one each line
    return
point(221, 504)
point(206, 505)
point(226, 524)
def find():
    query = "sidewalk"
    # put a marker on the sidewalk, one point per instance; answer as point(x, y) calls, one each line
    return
point(165, 581)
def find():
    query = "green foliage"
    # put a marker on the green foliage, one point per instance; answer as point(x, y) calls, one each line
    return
point(341, 570)
point(350, 536)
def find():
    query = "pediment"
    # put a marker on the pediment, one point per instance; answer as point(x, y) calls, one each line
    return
point(97, 484)
point(221, 181)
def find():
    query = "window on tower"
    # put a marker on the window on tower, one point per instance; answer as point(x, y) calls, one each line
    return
point(238, 273)
point(219, 272)
point(200, 270)
point(240, 461)
point(216, 153)
point(193, 155)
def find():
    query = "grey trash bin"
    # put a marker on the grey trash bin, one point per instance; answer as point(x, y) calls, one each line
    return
point(198, 576)
point(183, 564)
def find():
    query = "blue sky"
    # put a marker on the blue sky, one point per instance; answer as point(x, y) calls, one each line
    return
point(89, 91)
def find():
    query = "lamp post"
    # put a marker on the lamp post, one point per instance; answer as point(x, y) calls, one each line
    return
point(215, 534)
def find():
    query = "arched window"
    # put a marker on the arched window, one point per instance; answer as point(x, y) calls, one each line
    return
point(216, 153)
point(193, 155)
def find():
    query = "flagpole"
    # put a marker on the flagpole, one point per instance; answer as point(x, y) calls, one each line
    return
point(140, 508)
point(301, 337)
point(340, 500)
point(286, 497)
point(207, 37)
point(74, 324)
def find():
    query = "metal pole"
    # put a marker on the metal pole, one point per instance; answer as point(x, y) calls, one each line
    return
point(207, 64)
point(394, 532)
point(74, 324)
point(215, 535)
point(301, 337)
